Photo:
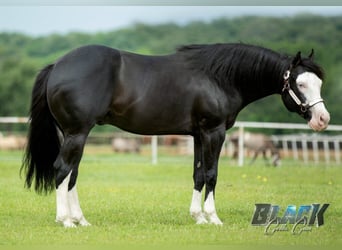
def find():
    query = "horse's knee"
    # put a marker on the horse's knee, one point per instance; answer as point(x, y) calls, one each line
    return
point(199, 179)
point(211, 177)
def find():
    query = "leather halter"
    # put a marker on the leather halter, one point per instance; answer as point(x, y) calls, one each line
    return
point(304, 107)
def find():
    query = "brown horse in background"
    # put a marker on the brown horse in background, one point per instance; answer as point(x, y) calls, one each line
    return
point(256, 143)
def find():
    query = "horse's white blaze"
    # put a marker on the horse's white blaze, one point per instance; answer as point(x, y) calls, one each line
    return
point(62, 203)
point(196, 208)
point(210, 210)
point(310, 85)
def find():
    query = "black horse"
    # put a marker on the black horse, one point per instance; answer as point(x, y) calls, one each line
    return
point(199, 90)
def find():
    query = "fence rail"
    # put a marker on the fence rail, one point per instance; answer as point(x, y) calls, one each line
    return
point(310, 146)
point(9, 120)
point(272, 125)
point(311, 142)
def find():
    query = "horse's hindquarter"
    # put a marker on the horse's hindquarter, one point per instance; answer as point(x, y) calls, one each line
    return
point(80, 86)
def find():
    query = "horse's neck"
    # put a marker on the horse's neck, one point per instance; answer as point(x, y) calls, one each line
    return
point(268, 81)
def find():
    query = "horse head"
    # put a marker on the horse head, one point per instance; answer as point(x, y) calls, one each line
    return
point(302, 91)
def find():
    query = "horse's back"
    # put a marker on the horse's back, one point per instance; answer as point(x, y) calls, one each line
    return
point(141, 94)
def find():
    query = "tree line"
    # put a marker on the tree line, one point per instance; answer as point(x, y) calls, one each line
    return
point(22, 56)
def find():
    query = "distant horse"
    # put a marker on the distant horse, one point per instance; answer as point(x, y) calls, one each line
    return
point(11, 142)
point(199, 90)
point(125, 145)
point(257, 143)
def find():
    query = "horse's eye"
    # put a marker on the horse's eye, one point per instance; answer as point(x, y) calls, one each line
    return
point(301, 85)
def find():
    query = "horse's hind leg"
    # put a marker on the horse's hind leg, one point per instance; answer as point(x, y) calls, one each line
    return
point(256, 153)
point(75, 208)
point(68, 208)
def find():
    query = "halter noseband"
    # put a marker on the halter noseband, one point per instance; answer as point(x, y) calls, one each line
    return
point(304, 107)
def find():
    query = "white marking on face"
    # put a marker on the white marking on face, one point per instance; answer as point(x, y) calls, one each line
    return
point(310, 86)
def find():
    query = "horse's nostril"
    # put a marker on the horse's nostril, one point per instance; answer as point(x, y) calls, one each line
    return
point(324, 119)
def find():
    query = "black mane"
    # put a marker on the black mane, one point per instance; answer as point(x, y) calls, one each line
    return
point(236, 64)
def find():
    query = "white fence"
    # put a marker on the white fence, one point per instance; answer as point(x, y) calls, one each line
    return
point(13, 119)
point(297, 141)
point(307, 147)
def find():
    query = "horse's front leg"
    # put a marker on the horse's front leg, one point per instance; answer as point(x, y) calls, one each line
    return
point(212, 143)
point(199, 180)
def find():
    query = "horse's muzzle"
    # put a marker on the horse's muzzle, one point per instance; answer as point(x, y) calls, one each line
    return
point(320, 121)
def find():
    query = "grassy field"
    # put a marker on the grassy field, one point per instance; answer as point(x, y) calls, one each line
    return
point(130, 202)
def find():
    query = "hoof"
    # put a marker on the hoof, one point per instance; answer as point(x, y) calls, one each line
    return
point(199, 218)
point(214, 219)
point(84, 223)
point(67, 223)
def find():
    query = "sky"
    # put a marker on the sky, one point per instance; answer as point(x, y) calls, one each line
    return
point(44, 20)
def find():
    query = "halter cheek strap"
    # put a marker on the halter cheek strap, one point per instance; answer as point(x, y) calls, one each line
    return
point(303, 106)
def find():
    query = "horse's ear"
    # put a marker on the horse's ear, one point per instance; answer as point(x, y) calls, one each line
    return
point(297, 60)
point(311, 56)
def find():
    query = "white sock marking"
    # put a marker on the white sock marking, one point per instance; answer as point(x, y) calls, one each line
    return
point(196, 208)
point(210, 211)
point(68, 206)
point(62, 203)
point(75, 208)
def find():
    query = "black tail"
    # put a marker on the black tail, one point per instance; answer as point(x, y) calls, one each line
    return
point(43, 143)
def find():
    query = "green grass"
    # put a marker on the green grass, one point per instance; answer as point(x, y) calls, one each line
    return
point(128, 201)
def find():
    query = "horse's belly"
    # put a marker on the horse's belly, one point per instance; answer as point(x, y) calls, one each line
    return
point(142, 117)
point(155, 126)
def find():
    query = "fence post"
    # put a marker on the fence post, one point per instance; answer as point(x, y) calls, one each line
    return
point(241, 148)
point(326, 151)
point(285, 147)
point(337, 151)
point(305, 149)
point(294, 148)
point(315, 150)
point(154, 145)
point(190, 145)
